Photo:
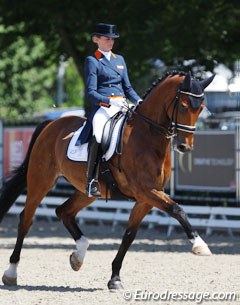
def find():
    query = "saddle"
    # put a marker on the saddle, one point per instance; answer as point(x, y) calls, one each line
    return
point(111, 140)
point(108, 132)
point(111, 143)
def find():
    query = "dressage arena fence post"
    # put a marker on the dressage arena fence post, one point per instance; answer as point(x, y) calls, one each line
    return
point(1, 153)
point(238, 159)
point(115, 212)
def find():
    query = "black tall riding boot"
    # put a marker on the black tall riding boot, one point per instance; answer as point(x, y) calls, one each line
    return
point(94, 158)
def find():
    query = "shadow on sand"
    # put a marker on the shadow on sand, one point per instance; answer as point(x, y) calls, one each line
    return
point(49, 288)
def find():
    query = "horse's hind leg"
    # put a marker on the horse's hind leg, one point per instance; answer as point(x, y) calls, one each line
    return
point(137, 214)
point(37, 190)
point(67, 212)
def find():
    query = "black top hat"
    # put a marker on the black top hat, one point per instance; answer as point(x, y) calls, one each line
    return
point(108, 30)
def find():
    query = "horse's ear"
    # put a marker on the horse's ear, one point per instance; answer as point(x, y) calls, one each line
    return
point(204, 83)
point(186, 85)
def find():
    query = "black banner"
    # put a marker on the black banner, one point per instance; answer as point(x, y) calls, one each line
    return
point(211, 165)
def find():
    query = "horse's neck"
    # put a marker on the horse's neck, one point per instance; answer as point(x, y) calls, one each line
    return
point(155, 108)
point(157, 102)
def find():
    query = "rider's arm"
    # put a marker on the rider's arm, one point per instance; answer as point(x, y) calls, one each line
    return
point(127, 87)
point(91, 77)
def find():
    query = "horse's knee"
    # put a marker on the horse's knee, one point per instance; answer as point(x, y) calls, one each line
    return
point(176, 210)
point(24, 223)
point(129, 236)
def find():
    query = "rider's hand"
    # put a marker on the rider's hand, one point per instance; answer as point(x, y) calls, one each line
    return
point(118, 101)
point(125, 107)
point(134, 106)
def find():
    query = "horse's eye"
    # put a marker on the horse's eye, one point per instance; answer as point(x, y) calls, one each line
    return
point(183, 108)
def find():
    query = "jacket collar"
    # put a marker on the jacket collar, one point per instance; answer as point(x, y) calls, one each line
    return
point(99, 56)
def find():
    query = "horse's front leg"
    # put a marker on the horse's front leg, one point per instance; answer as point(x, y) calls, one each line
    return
point(137, 214)
point(176, 211)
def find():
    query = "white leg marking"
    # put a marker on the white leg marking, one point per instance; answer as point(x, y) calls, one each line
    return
point(82, 245)
point(200, 247)
point(11, 271)
point(197, 241)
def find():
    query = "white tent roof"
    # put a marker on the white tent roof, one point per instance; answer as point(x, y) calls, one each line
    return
point(235, 85)
point(219, 84)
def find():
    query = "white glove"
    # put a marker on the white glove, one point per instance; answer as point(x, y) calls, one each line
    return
point(118, 101)
point(125, 108)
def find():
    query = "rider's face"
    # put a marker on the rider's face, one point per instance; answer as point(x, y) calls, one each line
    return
point(105, 43)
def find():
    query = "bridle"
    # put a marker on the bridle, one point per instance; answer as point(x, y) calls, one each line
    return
point(172, 130)
point(174, 122)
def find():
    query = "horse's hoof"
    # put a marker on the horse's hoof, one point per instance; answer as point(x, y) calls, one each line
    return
point(74, 262)
point(115, 284)
point(9, 281)
point(202, 251)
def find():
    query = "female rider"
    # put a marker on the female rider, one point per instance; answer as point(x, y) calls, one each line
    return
point(107, 87)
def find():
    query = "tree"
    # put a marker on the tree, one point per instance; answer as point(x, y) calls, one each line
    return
point(74, 87)
point(24, 85)
point(170, 30)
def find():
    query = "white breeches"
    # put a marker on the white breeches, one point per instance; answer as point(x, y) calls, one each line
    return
point(100, 118)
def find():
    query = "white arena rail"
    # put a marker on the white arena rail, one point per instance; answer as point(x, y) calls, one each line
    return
point(115, 212)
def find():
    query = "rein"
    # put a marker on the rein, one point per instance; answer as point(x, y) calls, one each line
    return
point(168, 132)
point(171, 131)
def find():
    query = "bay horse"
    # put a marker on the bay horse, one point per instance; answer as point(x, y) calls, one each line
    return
point(169, 110)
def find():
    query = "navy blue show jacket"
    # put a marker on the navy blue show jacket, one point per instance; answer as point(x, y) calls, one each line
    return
point(105, 79)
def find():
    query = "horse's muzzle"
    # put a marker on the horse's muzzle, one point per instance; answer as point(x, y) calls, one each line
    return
point(183, 148)
point(183, 144)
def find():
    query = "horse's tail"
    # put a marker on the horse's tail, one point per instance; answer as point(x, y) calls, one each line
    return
point(13, 187)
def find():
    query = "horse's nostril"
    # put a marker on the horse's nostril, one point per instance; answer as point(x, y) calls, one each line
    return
point(184, 148)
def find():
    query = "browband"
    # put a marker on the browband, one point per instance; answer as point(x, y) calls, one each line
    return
point(192, 94)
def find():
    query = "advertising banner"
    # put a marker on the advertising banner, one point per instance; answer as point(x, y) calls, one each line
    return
point(211, 165)
point(16, 141)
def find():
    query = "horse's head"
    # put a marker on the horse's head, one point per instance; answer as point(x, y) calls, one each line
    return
point(185, 109)
point(171, 107)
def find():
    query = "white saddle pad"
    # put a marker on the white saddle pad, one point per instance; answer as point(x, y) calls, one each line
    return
point(80, 153)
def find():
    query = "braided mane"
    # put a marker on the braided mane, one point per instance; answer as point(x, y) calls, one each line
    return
point(159, 80)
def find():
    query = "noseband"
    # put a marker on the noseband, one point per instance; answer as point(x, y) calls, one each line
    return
point(174, 124)
point(171, 131)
